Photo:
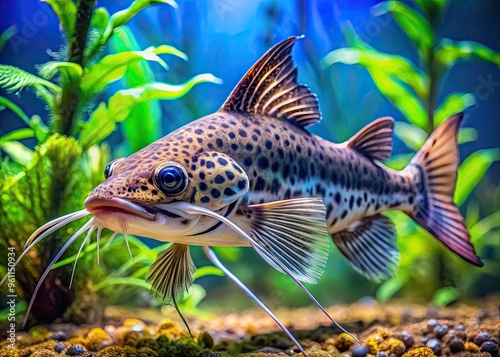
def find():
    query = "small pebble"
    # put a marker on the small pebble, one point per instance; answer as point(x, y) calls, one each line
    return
point(432, 323)
point(491, 347)
point(75, 350)
point(457, 345)
point(481, 337)
point(440, 331)
point(407, 339)
point(359, 351)
point(59, 347)
point(58, 336)
point(425, 338)
point(435, 345)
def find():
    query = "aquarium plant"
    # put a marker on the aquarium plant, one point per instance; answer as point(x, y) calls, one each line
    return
point(54, 178)
point(413, 89)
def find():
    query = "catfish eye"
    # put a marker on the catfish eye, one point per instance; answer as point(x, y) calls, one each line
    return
point(108, 171)
point(172, 179)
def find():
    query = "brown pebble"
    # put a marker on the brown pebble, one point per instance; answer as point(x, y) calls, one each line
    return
point(435, 345)
point(481, 337)
point(407, 339)
point(489, 346)
point(440, 331)
point(456, 345)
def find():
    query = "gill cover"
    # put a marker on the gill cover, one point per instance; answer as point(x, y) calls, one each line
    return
point(216, 180)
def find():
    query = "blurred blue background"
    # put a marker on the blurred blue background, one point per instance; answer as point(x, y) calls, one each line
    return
point(225, 37)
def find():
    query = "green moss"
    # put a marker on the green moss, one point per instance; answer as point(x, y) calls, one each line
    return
point(38, 333)
point(393, 345)
point(95, 339)
point(205, 340)
point(146, 352)
point(116, 351)
point(344, 342)
point(147, 342)
point(181, 348)
point(131, 338)
point(9, 352)
point(44, 353)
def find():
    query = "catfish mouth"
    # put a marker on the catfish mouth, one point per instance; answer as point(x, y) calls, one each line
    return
point(118, 205)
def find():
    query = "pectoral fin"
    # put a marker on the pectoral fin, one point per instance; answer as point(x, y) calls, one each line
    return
point(294, 232)
point(172, 272)
point(370, 245)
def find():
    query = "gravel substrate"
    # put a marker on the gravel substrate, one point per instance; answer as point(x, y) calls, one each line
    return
point(384, 331)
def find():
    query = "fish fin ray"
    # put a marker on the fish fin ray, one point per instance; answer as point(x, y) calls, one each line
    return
point(434, 167)
point(375, 140)
point(304, 252)
point(270, 88)
point(172, 272)
point(370, 246)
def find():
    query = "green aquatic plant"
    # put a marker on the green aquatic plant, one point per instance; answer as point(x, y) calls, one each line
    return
point(55, 178)
point(414, 88)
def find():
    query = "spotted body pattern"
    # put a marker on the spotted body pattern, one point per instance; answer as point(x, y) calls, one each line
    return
point(252, 175)
point(256, 149)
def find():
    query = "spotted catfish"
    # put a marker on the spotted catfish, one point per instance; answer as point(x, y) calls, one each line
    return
point(251, 174)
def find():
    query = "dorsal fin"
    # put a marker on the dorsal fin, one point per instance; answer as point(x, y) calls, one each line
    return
point(270, 88)
point(375, 140)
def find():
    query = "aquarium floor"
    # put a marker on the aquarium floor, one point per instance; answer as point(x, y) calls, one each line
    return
point(390, 330)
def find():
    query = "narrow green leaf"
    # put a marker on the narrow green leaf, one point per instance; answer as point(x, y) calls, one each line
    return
point(120, 18)
point(49, 69)
point(409, 105)
point(455, 103)
point(389, 288)
point(352, 38)
point(13, 79)
point(100, 19)
point(17, 151)
point(6, 35)
point(207, 271)
point(146, 116)
point(193, 299)
point(472, 171)
point(445, 296)
point(396, 67)
point(66, 12)
point(411, 22)
point(166, 49)
point(449, 52)
point(97, 128)
point(485, 225)
point(466, 135)
point(413, 136)
point(19, 112)
point(16, 135)
point(122, 281)
point(121, 103)
point(113, 67)
point(399, 162)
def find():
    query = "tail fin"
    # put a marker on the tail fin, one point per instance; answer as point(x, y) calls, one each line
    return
point(434, 170)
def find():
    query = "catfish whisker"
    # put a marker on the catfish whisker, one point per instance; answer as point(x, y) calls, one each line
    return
point(54, 225)
point(86, 240)
point(110, 240)
point(124, 228)
point(214, 259)
point(70, 241)
point(98, 241)
point(192, 209)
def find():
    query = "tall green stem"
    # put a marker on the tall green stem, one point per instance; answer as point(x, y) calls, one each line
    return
point(69, 104)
